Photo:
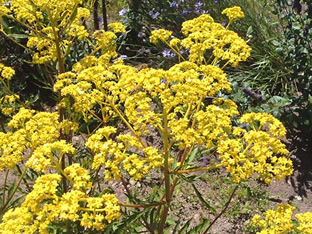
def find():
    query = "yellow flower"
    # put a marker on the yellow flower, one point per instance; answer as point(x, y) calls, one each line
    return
point(117, 27)
point(6, 72)
point(160, 34)
point(305, 222)
point(233, 13)
point(281, 221)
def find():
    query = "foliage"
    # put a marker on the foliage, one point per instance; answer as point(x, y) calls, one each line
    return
point(114, 108)
point(296, 19)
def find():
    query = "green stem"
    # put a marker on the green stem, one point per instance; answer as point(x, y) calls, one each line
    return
point(175, 51)
point(28, 27)
point(13, 40)
point(15, 189)
point(60, 169)
point(11, 93)
point(126, 122)
point(224, 209)
point(166, 174)
point(25, 181)
point(4, 185)
point(197, 169)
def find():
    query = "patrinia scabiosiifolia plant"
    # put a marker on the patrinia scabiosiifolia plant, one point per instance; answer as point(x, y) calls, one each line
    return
point(66, 192)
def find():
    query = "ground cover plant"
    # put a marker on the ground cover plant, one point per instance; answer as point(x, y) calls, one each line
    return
point(116, 111)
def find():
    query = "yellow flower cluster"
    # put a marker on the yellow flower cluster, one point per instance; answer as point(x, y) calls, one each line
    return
point(31, 131)
point(7, 102)
point(12, 148)
point(257, 149)
point(280, 221)
point(117, 27)
point(179, 92)
point(305, 222)
point(115, 155)
point(53, 24)
point(43, 206)
point(233, 13)
point(204, 35)
point(160, 35)
point(6, 73)
point(42, 156)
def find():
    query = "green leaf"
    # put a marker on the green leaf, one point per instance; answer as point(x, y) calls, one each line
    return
point(18, 36)
point(171, 223)
point(278, 101)
point(185, 227)
point(175, 229)
point(202, 200)
point(125, 223)
point(249, 31)
point(191, 157)
point(201, 227)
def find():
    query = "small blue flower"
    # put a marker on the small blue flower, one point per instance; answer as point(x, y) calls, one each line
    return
point(173, 4)
point(122, 11)
point(166, 53)
point(123, 57)
point(185, 12)
point(172, 55)
point(198, 5)
point(154, 15)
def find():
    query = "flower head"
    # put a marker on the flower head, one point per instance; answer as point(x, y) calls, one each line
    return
point(233, 13)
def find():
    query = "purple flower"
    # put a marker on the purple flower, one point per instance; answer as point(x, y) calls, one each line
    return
point(148, 51)
point(204, 11)
point(185, 12)
point(198, 5)
point(154, 15)
point(173, 4)
point(223, 24)
point(140, 34)
point(216, 1)
point(123, 57)
point(243, 126)
point(166, 53)
point(122, 11)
